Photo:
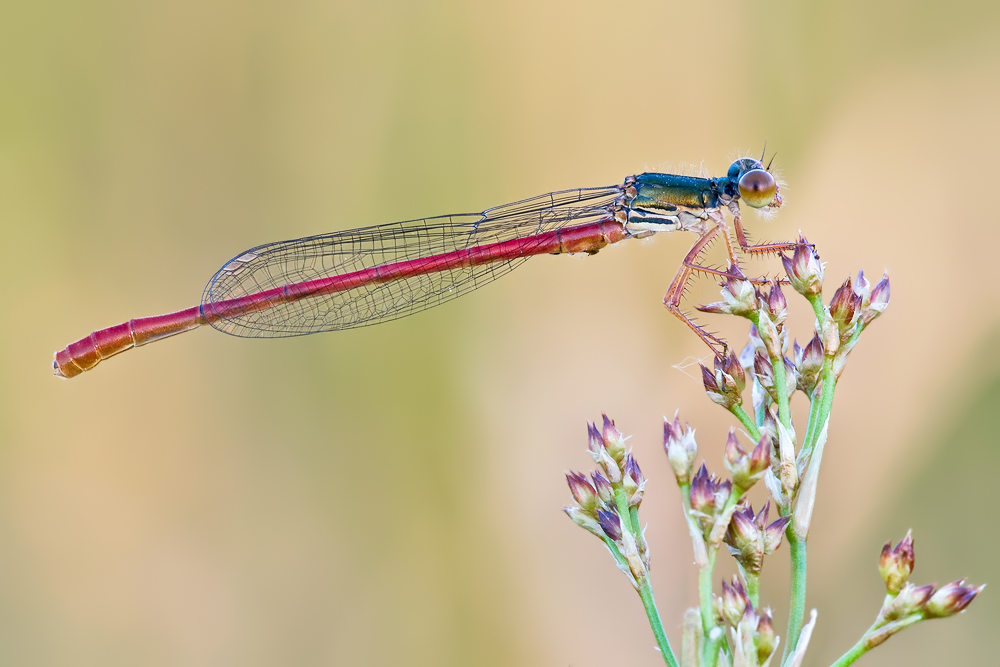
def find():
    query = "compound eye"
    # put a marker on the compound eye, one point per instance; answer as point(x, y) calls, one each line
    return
point(757, 188)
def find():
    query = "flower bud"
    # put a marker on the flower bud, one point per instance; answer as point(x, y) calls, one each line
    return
point(765, 640)
point(702, 491)
point(749, 539)
point(725, 385)
point(809, 365)
point(600, 454)
point(768, 330)
point(734, 601)
point(747, 470)
point(896, 564)
point(708, 495)
point(804, 270)
point(739, 297)
point(732, 367)
point(844, 306)
point(681, 448)
point(613, 440)
point(632, 481)
point(610, 524)
point(777, 306)
point(879, 301)
point(951, 599)
point(863, 288)
point(764, 372)
point(583, 491)
point(910, 600)
point(584, 520)
point(829, 332)
point(603, 487)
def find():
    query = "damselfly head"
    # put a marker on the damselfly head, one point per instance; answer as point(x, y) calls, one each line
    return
point(758, 188)
point(756, 185)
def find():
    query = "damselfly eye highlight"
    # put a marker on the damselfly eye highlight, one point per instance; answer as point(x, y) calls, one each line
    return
point(757, 188)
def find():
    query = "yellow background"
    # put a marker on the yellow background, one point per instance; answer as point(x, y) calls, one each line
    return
point(391, 495)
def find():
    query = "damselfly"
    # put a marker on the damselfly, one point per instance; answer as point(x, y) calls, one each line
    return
point(375, 274)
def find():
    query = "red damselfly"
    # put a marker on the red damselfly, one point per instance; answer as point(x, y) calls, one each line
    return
point(375, 274)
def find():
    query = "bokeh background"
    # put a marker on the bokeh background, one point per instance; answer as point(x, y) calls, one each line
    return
point(391, 495)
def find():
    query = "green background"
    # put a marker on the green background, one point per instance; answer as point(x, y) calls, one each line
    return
point(391, 495)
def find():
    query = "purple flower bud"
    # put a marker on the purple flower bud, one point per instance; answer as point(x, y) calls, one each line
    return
point(748, 538)
point(879, 301)
point(610, 524)
point(739, 297)
point(768, 330)
point(734, 453)
point(600, 453)
point(746, 469)
point(809, 365)
point(583, 491)
point(613, 440)
point(734, 601)
point(845, 306)
point(732, 368)
point(863, 289)
point(595, 443)
point(910, 600)
point(744, 541)
point(773, 533)
point(804, 270)
point(681, 448)
point(702, 492)
point(764, 371)
point(632, 481)
point(760, 457)
point(716, 393)
point(604, 490)
point(896, 564)
point(951, 599)
point(776, 302)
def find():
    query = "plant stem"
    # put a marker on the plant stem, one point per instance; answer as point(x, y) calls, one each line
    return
point(784, 414)
point(753, 587)
point(818, 417)
point(646, 593)
point(814, 402)
point(848, 658)
point(705, 594)
point(747, 422)
point(797, 604)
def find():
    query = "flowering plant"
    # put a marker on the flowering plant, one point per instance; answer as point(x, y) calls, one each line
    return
point(731, 629)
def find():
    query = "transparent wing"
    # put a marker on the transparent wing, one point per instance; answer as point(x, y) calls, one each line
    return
point(359, 256)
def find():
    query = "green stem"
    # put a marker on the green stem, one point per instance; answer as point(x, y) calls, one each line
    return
point(747, 422)
point(814, 401)
point(753, 587)
point(623, 510)
point(818, 417)
point(848, 658)
point(705, 594)
point(797, 604)
point(613, 548)
point(646, 593)
point(633, 515)
point(784, 414)
point(816, 301)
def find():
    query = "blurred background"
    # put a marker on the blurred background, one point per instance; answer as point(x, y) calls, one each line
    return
point(392, 495)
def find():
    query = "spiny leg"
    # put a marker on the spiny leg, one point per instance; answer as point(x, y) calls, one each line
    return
point(672, 299)
point(760, 248)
